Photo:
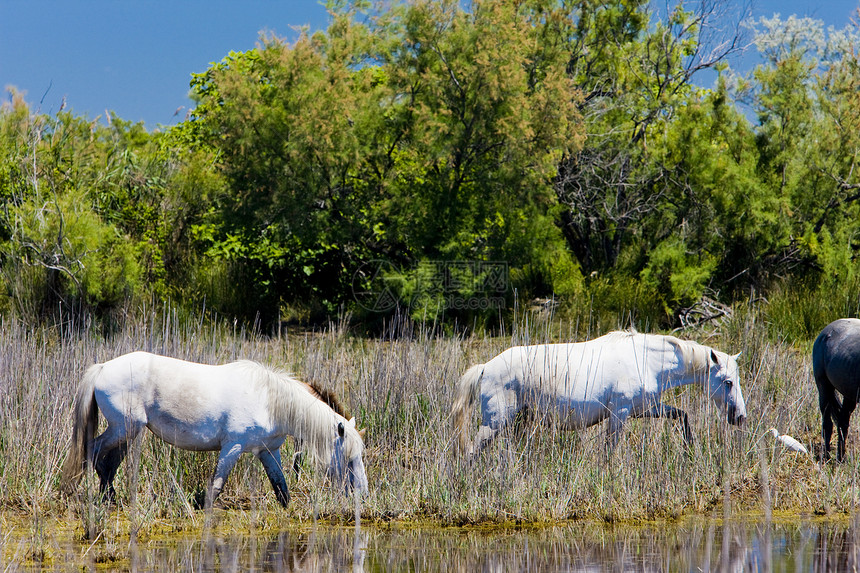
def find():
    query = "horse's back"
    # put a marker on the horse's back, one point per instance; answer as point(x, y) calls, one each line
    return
point(142, 371)
point(836, 355)
point(188, 404)
point(144, 377)
point(579, 377)
point(611, 356)
point(140, 365)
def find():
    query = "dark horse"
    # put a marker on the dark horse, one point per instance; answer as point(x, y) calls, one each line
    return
point(836, 366)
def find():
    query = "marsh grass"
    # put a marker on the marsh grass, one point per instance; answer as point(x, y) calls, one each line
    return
point(400, 387)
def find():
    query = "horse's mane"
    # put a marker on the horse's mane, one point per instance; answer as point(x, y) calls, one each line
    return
point(617, 334)
point(694, 355)
point(328, 397)
point(311, 413)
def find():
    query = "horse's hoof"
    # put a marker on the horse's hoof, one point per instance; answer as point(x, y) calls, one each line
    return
point(198, 500)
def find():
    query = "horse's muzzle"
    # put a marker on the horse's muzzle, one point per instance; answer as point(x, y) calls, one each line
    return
point(355, 484)
point(358, 486)
point(733, 417)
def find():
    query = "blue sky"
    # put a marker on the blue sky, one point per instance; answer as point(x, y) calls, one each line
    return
point(135, 58)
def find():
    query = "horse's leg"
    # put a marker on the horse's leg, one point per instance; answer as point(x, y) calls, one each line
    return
point(614, 427)
point(829, 405)
point(842, 420)
point(496, 413)
point(108, 451)
point(272, 463)
point(663, 411)
point(107, 465)
point(226, 460)
point(298, 460)
point(485, 435)
point(298, 457)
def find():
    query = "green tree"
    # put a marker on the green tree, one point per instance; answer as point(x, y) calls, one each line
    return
point(287, 123)
point(803, 95)
point(833, 152)
point(484, 113)
point(56, 250)
point(719, 219)
point(636, 74)
point(424, 133)
point(630, 204)
point(93, 214)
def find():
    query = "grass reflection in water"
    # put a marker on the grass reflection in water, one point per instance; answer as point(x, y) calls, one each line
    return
point(694, 545)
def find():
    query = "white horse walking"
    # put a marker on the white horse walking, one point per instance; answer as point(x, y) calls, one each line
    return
point(615, 377)
point(232, 408)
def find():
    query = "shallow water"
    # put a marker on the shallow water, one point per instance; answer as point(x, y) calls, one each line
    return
point(695, 545)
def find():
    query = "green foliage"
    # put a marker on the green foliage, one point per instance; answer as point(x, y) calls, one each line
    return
point(565, 275)
point(78, 253)
point(798, 312)
point(681, 191)
point(430, 133)
point(93, 215)
point(440, 142)
point(482, 132)
point(616, 300)
point(636, 76)
point(283, 121)
point(677, 273)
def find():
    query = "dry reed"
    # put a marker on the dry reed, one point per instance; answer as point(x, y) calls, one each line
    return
point(400, 387)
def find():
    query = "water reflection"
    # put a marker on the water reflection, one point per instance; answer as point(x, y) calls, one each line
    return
point(696, 545)
point(329, 550)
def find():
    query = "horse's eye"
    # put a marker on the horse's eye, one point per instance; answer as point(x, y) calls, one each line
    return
point(729, 383)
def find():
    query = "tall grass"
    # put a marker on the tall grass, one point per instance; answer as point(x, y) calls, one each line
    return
point(400, 387)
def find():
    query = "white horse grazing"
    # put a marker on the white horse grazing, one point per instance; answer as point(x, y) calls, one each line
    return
point(232, 408)
point(615, 377)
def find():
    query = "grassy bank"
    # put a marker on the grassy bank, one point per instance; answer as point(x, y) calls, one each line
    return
point(400, 387)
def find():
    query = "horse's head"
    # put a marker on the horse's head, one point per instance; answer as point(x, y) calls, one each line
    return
point(724, 386)
point(347, 466)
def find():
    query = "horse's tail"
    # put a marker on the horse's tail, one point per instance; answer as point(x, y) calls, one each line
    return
point(466, 394)
point(86, 420)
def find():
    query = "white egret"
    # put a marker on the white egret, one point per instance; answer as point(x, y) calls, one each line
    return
point(788, 442)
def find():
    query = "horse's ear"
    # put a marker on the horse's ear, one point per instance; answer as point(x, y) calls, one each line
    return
point(361, 433)
point(340, 429)
point(736, 356)
point(351, 421)
point(714, 358)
